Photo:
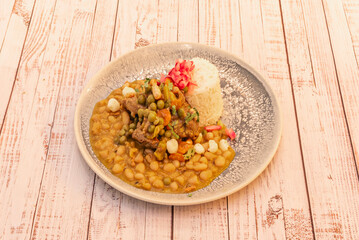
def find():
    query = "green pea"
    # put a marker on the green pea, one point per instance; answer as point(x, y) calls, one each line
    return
point(167, 104)
point(153, 106)
point(162, 132)
point(125, 127)
point(123, 139)
point(168, 133)
point(148, 89)
point(181, 113)
point(152, 116)
point(122, 132)
point(167, 181)
point(130, 131)
point(140, 112)
point(150, 99)
point(132, 126)
point(141, 99)
point(160, 104)
point(151, 128)
point(146, 112)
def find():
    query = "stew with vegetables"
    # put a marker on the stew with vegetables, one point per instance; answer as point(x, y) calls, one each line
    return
point(148, 135)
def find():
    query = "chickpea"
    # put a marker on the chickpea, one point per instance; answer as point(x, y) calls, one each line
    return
point(189, 165)
point(129, 173)
point(117, 168)
point(139, 176)
point(220, 161)
point(118, 126)
point(209, 136)
point(195, 158)
point(205, 146)
point(146, 186)
point(118, 159)
point(174, 186)
point(111, 119)
point(219, 152)
point(176, 163)
point(103, 153)
point(210, 156)
point(140, 168)
point(154, 165)
point(203, 160)
point(227, 154)
point(96, 128)
point(200, 167)
point(180, 180)
point(169, 167)
point(139, 158)
point(158, 183)
point(121, 150)
point(193, 180)
point(205, 175)
point(125, 118)
point(152, 179)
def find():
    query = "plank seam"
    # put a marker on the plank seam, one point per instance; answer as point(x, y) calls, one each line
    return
point(296, 117)
point(18, 65)
point(255, 213)
point(340, 91)
point(51, 128)
point(114, 31)
point(94, 177)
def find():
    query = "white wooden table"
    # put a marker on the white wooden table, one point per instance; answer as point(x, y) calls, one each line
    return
point(307, 49)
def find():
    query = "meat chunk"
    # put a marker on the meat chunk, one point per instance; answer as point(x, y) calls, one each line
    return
point(189, 130)
point(132, 105)
point(140, 137)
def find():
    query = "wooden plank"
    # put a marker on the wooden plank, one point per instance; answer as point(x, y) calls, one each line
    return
point(209, 220)
point(11, 49)
point(329, 163)
point(346, 68)
point(188, 21)
point(115, 215)
point(281, 210)
point(351, 9)
point(66, 189)
point(5, 13)
point(24, 134)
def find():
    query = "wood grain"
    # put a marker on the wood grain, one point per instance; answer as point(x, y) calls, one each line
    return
point(5, 14)
point(11, 48)
point(346, 68)
point(209, 220)
point(308, 50)
point(328, 158)
point(67, 182)
point(125, 217)
point(24, 135)
point(278, 213)
point(351, 10)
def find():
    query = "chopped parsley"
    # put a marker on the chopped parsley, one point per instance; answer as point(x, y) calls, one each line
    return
point(173, 132)
point(147, 81)
point(189, 154)
point(170, 86)
point(174, 112)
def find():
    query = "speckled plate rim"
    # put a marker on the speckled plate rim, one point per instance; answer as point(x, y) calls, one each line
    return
point(190, 201)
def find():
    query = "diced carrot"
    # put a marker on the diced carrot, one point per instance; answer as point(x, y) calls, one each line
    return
point(166, 115)
point(176, 156)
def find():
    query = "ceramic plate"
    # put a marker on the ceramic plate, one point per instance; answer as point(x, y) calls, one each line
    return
point(250, 108)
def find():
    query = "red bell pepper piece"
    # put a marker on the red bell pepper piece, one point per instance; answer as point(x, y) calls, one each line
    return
point(230, 133)
point(212, 128)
